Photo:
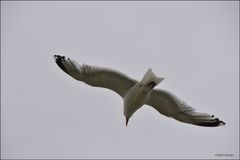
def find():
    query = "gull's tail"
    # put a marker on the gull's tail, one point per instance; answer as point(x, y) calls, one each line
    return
point(150, 78)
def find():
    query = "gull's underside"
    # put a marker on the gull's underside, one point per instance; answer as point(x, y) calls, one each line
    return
point(163, 101)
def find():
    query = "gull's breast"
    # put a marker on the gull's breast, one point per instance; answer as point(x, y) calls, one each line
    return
point(135, 98)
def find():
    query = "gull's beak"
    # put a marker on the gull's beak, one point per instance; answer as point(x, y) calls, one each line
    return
point(127, 121)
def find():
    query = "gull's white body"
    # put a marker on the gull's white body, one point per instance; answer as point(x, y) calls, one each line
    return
point(136, 93)
point(135, 98)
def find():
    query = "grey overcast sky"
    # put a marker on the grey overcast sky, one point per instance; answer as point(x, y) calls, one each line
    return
point(47, 114)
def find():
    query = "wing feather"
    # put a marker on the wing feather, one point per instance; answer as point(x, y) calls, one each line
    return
point(170, 105)
point(96, 76)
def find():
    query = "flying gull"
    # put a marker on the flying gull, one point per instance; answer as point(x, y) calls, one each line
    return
point(137, 93)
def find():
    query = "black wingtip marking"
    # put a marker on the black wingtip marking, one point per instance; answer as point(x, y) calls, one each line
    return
point(59, 59)
point(216, 122)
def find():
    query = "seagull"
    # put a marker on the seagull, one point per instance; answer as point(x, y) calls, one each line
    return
point(137, 93)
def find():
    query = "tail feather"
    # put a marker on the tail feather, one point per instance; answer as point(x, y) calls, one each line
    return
point(151, 77)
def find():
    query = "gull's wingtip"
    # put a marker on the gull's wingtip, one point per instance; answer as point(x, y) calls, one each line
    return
point(214, 123)
point(56, 56)
point(58, 59)
point(222, 124)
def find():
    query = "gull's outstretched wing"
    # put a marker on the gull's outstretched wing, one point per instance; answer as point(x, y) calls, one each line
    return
point(169, 105)
point(96, 76)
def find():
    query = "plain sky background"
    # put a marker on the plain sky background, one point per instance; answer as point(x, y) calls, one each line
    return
point(47, 114)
